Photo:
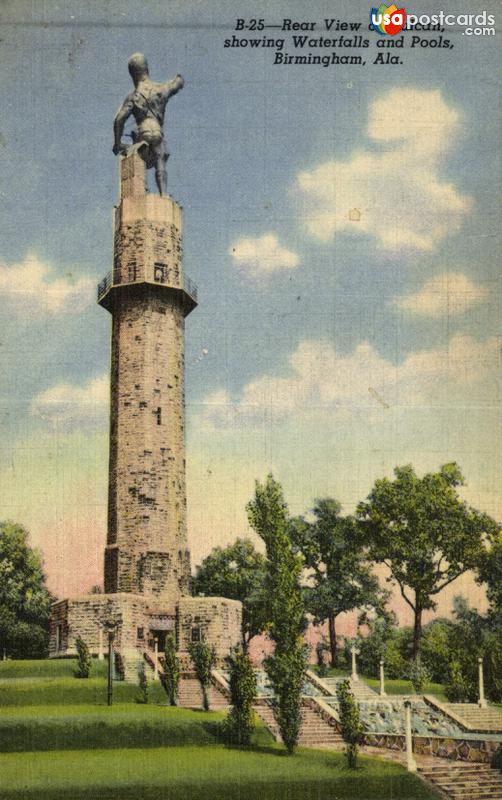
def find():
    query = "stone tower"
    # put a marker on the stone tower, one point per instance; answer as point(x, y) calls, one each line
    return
point(147, 562)
point(147, 551)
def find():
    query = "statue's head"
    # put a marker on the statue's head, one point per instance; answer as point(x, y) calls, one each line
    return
point(138, 67)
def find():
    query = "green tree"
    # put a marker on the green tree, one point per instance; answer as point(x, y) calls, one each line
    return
point(490, 572)
point(383, 639)
point(171, 677)
point(341, 578)
point(84, 659)
point(203, 658)
point(474, 636)
point(436, 648)
point(236, 572)
point(268, 515)
point(424, 533)
point(242, 680)
point(25, 601)
point(352, 729)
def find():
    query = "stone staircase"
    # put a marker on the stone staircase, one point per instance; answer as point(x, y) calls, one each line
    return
point(460, 779)
point(190, 695)
point(362, 692)
point(475, 718)
point(315, 732)
point(360, 689)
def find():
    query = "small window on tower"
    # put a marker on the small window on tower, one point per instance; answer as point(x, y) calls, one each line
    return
point(195, 635)
point(141, 633)
point(158, 414)
point(159, 272)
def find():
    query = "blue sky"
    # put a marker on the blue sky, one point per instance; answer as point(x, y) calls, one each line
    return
point(336, 348)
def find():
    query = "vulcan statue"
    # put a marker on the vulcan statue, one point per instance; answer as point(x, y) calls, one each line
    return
point(147, 103)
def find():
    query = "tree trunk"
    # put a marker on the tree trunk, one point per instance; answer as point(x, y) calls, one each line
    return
point(332, 637)
point(205, 697)
point(417, 631)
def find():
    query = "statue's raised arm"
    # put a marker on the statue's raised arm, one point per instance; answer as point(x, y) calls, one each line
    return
point(172, 87)
point(147, 103)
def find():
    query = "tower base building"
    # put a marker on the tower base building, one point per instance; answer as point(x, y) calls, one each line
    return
point(147, 561)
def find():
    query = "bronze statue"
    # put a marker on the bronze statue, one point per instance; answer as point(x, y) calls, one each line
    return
point(147, 103)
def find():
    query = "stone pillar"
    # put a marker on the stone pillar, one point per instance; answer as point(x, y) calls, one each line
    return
point(411, 764)
point(355, 652)
point(147, 551)
point(382, 679)
point(482, 700)
point(101, 654)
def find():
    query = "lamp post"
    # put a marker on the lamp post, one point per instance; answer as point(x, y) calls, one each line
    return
point(482, 700)
point(155, 659)
point(110, 626)
point(111, 637)
point(101, 654)
point(411, 764)
point(355, 652)
point(382, 679)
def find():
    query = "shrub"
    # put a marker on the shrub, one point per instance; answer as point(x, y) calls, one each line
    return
point(352, 730)
point(142, 697)
point(203, 658)
point(458, 689)
point(84, 660)
point(171, 670)
point(240, 722)
point(320, 649)
point(419, 675)
point(26, 640)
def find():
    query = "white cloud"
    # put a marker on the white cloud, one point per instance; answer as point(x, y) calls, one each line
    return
point(391, 190)
point(448, 294)
point(74, 406)
point(30, 288)
point(263, 255)
point(323, 382)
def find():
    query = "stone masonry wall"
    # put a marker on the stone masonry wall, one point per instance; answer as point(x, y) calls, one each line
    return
point(86, 616)
point(217, 620)
point(477, 750)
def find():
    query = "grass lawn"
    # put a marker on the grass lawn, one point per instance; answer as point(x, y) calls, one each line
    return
point(202, 773)
point(405, 687)
point(391, 686)
point(98, 727)
point(73, 691)
point(48, 668)
point(52, 682)
point(60, 741)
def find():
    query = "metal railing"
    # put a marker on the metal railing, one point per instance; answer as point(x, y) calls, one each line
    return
point(103, 286)
point(190, 288)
